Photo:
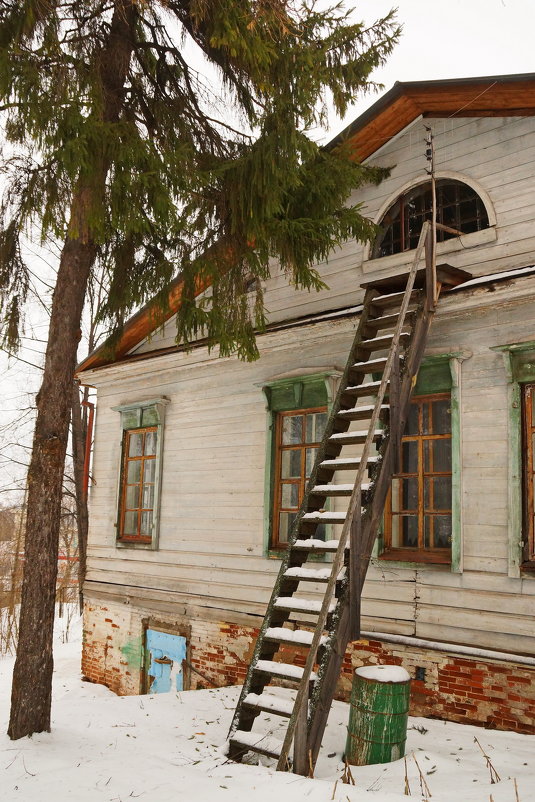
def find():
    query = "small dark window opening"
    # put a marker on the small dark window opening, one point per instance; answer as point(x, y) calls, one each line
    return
point(458, 206)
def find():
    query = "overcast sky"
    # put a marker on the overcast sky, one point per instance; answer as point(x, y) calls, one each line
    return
point(454, 39)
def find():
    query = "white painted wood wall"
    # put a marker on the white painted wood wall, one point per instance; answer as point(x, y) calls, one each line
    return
point(211, 559)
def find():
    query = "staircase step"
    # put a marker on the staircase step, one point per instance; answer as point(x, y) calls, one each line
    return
point(360, 413)
point(315, 545)
point(371, 366)
point(383, 342)
point(346, 463)
point(312, 574)
point(269, 703)
point(284, 670)
point(387, 321)
point(326, 517)
point(332, 490)
point(359, 390)
point(299, 637)
point(354, 438)
point(312, 606)
point(256, 742)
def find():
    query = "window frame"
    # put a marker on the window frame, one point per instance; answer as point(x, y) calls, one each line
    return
point(284, 394)
point(435, 555)
point(441, 373)
point(528, 476)
point(519, 364)
point(418, 191)
point(278, 481)
point(139, 416)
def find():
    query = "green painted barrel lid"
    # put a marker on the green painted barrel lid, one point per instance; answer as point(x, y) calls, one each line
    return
point(378, 715)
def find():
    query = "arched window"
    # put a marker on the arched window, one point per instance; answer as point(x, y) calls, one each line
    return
point(458, 206)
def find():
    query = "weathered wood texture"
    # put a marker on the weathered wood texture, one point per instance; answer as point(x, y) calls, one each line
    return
point(496, 154)
point(212, 538)
point(213, 525)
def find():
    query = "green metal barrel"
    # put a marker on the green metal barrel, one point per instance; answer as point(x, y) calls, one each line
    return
point(379, 710)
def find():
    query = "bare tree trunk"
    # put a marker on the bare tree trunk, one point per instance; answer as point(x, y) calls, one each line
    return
point(79, 434)
point(32, 675)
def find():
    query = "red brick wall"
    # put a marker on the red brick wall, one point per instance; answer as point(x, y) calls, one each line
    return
point(493, 694)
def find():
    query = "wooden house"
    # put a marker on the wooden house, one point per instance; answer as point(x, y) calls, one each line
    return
point(200, 462)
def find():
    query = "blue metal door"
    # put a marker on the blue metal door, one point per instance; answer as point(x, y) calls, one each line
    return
point(166, 653)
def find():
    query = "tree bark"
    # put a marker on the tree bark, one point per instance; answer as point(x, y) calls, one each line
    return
point(32, 675)
point(79, 433)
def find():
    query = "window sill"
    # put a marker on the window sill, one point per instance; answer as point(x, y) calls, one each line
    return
point(136, 544)
point(405, 556)
point(527, 569)
point(484, 237)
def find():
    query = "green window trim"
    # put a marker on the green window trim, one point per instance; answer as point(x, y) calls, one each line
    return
point(284, 394)
point(136, 415)
point(519, 364)
point(442, 373)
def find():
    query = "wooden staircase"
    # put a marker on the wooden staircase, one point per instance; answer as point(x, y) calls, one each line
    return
point(362, 437)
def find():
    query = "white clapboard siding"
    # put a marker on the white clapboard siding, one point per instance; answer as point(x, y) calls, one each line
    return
point(211, 554)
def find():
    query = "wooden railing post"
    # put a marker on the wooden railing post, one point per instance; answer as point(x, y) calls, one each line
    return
point(301, 765)
point(355, 556)
point(395, 413)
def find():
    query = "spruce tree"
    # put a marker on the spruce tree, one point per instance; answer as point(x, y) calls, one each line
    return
point(115, 147)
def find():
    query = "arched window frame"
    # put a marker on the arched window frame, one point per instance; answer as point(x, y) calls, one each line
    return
point(482, 237)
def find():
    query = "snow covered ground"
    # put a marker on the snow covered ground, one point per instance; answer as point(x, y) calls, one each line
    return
point(169, 747)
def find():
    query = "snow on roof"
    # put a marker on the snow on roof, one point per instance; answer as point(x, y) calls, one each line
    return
point(474, 282)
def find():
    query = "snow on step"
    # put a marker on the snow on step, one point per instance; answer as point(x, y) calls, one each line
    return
point(363, 388)
point(258, 742)
point(302, 605)
point(298, 636)
point(335, 490)
point(331, 517)
point(282, 669)
point(354, 437)
point(349, 461)
point(366, 410)
point(267, 701)
point(313, 543)
point(319, 574)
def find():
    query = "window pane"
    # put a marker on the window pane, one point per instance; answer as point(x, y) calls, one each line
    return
point(133, 473)
point(404, 531)
point(148, 497)
point(135, 446)
point(132, 497)
point(442, 456)
point(425, 419)
point(315, 427)
point(442, 531)
point(150, 443)
point(442, 417)
point(286, 520)
point(146, 523)
point(290, 496)
point(149, 470)
point(410, 494)
point(410, 531)
point(292, 429)
point(310, 459)
point(442, 493)
point(291, 464)
point(409, 456)
point(412, 426)
point(130, 523)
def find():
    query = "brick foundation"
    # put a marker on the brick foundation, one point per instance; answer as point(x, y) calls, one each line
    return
point(492, 694)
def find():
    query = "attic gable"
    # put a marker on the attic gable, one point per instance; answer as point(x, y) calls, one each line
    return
point(493, 96)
